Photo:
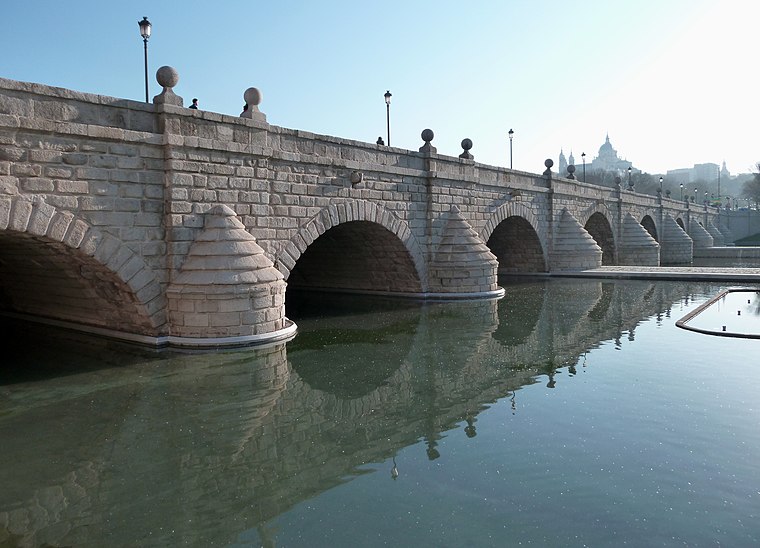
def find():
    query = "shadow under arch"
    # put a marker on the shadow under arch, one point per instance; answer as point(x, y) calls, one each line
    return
point(55, 266)
point(512, 237)
point(648, 223)
point(599, 227)
point(680, 223)
point(357, 246)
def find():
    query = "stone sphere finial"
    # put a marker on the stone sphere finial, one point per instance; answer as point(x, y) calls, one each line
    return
point(548, 163)
point(571, 171)
point(253, 97)
point(427, 136)
point(466, 146)
point(167, 77)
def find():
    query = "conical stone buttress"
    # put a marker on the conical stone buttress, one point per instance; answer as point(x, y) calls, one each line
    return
point(227, 288)
point(462, 262)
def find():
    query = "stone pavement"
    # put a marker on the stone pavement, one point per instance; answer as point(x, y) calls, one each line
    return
point(669, 273)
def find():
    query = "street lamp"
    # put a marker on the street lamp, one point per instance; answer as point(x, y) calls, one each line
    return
point(388, 114)
point(629, 177)
point(695, 195)
point(660, 186)
point(145, 27)
point(681, 191)
point(583, 156)
point(511, 134)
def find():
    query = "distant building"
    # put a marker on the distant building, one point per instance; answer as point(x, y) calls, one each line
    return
point(606, 160)
point(707, 173)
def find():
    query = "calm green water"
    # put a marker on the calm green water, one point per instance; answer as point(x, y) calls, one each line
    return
point(570, 413)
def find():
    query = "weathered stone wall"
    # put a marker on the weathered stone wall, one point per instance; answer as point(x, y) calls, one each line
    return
point(124, 187)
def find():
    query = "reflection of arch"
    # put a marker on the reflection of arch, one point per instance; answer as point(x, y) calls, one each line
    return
point(599, 228)
point(517, 246)
point(518, 243)
point(359, 373)
point(519, 312)
point(648, 223)
point(56, 265)
point(354, 245)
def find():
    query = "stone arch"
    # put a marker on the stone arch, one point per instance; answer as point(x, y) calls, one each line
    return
point(599, 227)
point(349, 211)
point(514, 209)
point(513, 222)
point(680, 223)
point(100, 282)
point(649, 225)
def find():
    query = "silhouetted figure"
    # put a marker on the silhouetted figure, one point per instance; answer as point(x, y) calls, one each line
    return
point(194, 105)
point(380, 141)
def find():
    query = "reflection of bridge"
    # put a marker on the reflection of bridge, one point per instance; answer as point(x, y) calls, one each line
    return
point(171, 225)
point(187, 450)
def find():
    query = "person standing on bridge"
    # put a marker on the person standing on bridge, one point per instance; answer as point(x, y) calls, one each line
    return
point(194, 105)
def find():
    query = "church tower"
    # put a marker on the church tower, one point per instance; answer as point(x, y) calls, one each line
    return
point(562, 166)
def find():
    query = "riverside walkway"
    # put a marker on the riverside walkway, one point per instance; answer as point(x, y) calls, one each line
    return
point(696, 273)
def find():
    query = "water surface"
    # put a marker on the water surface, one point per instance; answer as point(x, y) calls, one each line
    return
point(569, 413)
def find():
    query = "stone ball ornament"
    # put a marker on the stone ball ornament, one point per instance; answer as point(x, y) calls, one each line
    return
point(167, 76)
point(549, 163)
point(466, 144)
point(427, 135)
point(253, 96)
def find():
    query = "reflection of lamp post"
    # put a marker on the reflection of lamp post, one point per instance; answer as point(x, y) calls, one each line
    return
point(583, 156)
point(388, 114)
point(145, 27)
point(511, 134)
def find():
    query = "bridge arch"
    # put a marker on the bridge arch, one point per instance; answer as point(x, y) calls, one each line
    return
point(356, 245)
point(597, 224)
point(512, 234)
point(649, 225)
point(55, 265)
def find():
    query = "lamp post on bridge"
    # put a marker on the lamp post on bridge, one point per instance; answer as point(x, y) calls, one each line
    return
point(145, 27)
point(387, 96)
point(682, 192)
point(583, 157)
point(511, 134)
point(660, 187)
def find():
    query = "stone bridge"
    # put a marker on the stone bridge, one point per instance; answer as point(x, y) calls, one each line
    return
point(165, 225)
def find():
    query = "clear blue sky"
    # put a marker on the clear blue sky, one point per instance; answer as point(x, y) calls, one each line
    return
point(673, 82)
